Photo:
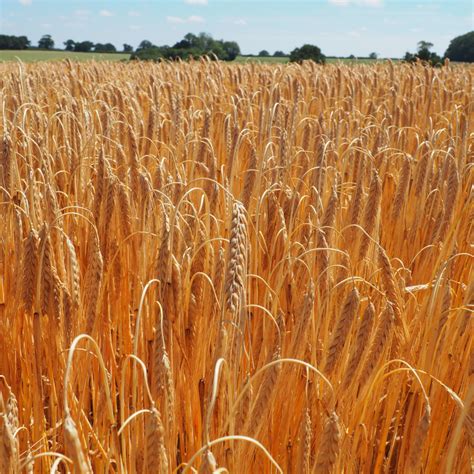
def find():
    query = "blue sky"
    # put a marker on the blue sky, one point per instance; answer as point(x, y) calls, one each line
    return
point(338, 27)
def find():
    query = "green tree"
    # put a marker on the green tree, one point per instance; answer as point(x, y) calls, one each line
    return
point(424, 54)
point(215, 50)
point(279, 54)
point(373, 55)
point(14, 42)
point(69, 45)
point(264, 54)
point(424, 45)
point(110, 48)
point(23, 42)
point(83, 46)
point(192, 40)
point(104, 48)
point(191, 46)
point(205, 42)
point(145, 44)
point(461, 48)
point(148, 54)
point(307, 52)
point(232, 50)
point(46, 42)
point(127, 48)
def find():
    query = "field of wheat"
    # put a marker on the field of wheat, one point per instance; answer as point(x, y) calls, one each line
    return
point(236, 268)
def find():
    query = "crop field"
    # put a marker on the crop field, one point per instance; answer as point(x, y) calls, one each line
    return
point(250, 268)
point(285, 59)
point(30, 55)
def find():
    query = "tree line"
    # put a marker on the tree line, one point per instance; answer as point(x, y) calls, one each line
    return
point(191, 46)
point(460, 48)
point(14, 42)
point(46, 42)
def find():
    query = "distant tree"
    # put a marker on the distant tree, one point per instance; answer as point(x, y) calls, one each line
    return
point(46, 42)
point(154, 53)
point(5, 42)
point(23, 42)
point(192, 40)
point(461, 48)
point(424, 45)
point(307, 52)
point(279, 54)
point(183, 44)
point(191, 46)
point(351, 56)
point(83, 46)
point(127, 48)
point(145, 44)
point(424, 54)
point(205, 42)
point(104, 48)
point(264, 53)
point(69, 45)
point(232, 50)
point(373, 55)
point(14, 42)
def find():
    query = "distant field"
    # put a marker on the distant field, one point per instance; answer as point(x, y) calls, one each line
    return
point(285, 59)
point(35, 55)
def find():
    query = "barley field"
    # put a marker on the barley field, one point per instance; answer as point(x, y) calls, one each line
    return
point(248, 268)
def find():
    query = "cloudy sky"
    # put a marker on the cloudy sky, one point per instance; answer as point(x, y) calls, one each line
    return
point(338, 27)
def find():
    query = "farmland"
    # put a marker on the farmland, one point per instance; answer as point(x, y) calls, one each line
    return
point(254, 267)
point(28, 56)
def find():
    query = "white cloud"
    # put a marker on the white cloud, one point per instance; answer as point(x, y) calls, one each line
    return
point(106, 13)
point(81, 12)
point(26, 2)
point(195, 19)
point(240, 22)
point(133, 13)
point(196, 2)
point(365, 3)
point(177, 20)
